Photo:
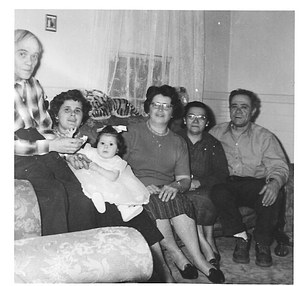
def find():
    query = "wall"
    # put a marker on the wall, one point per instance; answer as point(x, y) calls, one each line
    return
point(66, 50)
point(257, 53)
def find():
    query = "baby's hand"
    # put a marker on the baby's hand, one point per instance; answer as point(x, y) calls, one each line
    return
point(84, 138)
point(93, 166)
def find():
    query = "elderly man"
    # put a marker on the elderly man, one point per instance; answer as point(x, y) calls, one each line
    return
point(258, 169)
point(63, 205)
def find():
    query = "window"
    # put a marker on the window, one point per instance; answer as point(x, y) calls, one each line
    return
point(130, 75)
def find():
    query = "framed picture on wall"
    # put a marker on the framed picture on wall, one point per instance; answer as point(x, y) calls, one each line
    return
point(51, 23)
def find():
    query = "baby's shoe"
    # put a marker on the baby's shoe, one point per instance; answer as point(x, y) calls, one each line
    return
point(129, 212)
point(99, 202)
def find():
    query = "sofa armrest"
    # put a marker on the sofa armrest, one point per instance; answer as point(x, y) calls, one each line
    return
point(109, 254)
point(27, 211)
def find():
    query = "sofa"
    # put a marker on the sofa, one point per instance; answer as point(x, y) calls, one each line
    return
point(109, 254)
point(112, 254)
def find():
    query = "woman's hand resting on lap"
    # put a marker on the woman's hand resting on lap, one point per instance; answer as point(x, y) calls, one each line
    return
point(167, 193)
point(152, 189)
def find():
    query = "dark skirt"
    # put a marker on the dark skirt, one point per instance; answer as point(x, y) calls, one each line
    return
point(142, 223)
point(205, 210)
point(157, 209)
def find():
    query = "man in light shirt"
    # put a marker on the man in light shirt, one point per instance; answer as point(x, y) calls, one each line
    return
point(258, 169)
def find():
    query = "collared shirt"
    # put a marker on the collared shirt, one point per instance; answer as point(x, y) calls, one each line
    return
point(255, 153)
point(30, 114)
point(207, 159)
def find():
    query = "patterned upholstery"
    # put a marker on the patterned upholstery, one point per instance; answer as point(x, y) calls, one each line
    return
point(27, 212)
point(110, 254)
point(289, 206)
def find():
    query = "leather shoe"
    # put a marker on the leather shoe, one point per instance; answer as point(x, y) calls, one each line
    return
point(189, 272)
point(281, 249)
point(241, 251)
point(216, 276)
point(263, 255)
point(214, 262)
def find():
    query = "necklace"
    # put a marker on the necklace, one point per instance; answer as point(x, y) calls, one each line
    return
point(157, 133)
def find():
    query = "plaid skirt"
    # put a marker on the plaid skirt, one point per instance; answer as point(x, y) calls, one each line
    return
point(157, 209)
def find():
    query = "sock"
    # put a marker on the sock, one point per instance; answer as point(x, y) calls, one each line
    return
point(242, 235)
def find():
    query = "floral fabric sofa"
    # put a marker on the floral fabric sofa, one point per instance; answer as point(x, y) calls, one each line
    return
point(110, 254)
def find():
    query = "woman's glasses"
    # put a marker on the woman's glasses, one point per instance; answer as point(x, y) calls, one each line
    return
point(164, 106)
point(192, 117)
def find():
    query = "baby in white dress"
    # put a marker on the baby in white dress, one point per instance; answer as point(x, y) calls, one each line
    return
point(109, 177)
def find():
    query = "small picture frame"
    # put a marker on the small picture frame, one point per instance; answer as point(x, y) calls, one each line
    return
point(51, 23)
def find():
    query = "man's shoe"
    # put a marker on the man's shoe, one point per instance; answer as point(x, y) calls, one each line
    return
point(241, 251)
point(263, 255)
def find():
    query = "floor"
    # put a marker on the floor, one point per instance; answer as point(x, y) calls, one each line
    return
point(280, 273)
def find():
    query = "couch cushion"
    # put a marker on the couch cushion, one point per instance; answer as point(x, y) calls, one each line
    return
point(108, 254)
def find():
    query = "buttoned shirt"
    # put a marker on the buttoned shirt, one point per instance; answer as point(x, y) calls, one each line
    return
point(31, 115)
point(255, 153)
point(208, 162)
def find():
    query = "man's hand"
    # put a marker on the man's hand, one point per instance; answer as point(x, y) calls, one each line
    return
point(78, 161)
point(65, 145)
point(270, 191)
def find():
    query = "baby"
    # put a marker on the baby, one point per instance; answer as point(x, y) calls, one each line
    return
point(109, 177)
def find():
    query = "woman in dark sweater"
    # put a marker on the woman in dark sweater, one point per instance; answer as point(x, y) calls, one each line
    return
point(208, 166)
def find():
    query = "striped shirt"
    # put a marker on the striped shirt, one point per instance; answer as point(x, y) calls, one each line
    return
point(30, 115)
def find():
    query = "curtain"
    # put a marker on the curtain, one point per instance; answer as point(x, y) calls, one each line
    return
point(134, 49)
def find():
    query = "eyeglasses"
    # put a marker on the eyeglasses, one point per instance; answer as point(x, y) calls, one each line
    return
point(164, 106)
point(192, 117)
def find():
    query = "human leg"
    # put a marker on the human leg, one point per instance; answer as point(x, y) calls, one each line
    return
point(80, 208)
point(185, 227)
point(98, 201)
point(187, 270)
point(224, 198)
point(170, 244)
point(50, 193)
point(246, 192)
point(160, 265)
point(205, 246)
point(264, 232)
point(206, 215)
point(209, 235)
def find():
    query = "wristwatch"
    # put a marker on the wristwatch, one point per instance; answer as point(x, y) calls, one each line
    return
point(180, 186)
